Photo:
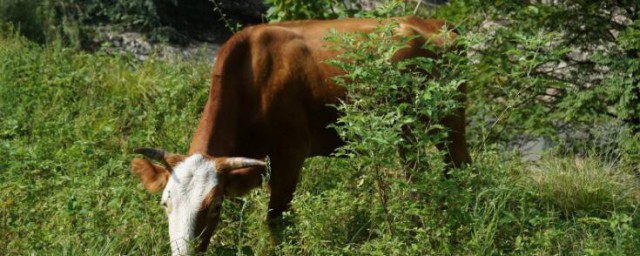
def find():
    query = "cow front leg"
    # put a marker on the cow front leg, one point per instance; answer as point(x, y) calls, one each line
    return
point(282, 185)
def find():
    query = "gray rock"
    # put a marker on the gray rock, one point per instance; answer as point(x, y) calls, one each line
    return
point(136, 44)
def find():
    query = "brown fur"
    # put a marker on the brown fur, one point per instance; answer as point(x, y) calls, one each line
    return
point(270, 95)
point(174, 159)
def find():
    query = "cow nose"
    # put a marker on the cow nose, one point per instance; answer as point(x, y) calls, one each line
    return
point(180, 248)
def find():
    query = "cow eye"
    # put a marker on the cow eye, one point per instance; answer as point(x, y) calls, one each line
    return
point(164, 204)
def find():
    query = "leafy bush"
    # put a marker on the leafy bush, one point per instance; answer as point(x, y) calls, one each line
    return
point(282, 10)
point(544, 68)
point(38, 20)
point(386, 97)
point(65, 20)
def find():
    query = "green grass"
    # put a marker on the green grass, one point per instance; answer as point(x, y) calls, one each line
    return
point(584, 186)
point(69, 121)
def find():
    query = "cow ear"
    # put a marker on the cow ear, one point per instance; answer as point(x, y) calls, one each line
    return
point(226, 164)
point(153, 177)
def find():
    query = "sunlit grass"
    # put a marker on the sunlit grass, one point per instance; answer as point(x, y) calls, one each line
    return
point(69, 120)
point(584, 186)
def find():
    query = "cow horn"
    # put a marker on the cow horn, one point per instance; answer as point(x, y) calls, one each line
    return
point(153, 153)
point(232, 163)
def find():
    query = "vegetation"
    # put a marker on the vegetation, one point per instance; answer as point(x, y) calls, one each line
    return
point(572, 65)
point(78, 23)
point(65, 20)
point(70, 119)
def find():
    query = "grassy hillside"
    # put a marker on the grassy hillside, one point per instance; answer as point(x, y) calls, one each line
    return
point(69, 121)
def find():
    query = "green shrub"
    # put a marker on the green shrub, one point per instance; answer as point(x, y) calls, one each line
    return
point(41, 20)
point(282, 10)
point(31, 18)
point(384, 98)
point(67, 21)
point(541, 69)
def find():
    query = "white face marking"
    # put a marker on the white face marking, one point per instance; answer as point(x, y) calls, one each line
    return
point(188, 186)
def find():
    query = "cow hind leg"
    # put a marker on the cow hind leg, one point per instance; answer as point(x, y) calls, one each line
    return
point(455, 148)
point(410, 164)
point(456, 154)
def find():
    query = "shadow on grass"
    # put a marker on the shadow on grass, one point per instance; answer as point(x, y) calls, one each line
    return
point(231, 251)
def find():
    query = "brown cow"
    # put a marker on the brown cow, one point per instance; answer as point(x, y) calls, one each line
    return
point(269, 96)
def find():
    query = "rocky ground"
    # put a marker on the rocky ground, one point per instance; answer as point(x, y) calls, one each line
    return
point(114, 42)
point(190, 38)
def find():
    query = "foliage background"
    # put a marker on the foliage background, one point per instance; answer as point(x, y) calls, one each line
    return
point(566, 72)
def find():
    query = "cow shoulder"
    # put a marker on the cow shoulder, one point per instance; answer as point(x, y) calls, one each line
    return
point(280, 56)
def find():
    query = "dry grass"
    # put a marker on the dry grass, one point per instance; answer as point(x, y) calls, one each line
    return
point(584, 185)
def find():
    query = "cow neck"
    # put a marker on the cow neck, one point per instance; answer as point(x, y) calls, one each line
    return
point(216, 133)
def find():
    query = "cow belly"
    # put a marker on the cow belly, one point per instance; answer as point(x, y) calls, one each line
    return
point(324, 139)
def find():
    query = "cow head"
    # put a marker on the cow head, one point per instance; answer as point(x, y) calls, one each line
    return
point(193, 191)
